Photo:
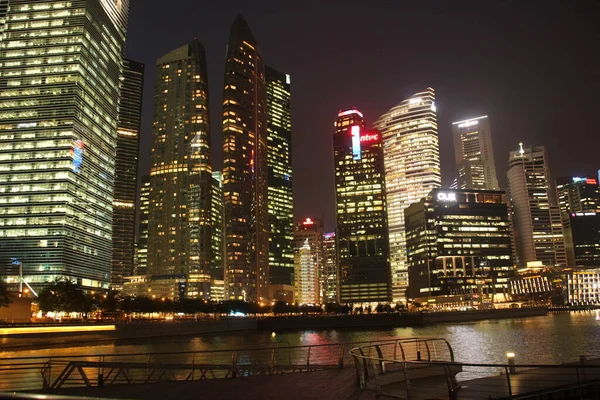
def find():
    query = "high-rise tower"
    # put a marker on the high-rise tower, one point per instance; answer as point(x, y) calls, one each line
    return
point(412, 170)
point(59, 85)
point(538, 230)
point(474, 154)
point(179, 236)
point(245, 169)
point(279, 159)
point(361, 235)
point(126, 168)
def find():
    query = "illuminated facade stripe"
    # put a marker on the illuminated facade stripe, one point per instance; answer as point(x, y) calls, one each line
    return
point(279, 159)
point(412, 170)
point(61, 64)
point(141, 267)
point(179, 234)
point(126, 168)
point(245, 169)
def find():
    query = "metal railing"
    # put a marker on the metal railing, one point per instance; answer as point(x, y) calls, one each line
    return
point(436, 374)
point(49, 373)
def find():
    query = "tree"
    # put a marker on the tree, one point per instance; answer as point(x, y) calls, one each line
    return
point(64, 295)
point(5, 297)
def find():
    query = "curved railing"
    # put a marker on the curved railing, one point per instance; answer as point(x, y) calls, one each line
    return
point(423, 368)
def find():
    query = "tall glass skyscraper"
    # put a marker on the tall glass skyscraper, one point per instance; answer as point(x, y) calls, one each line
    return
point(59, 99)
point(126, 168)
point(245, 168)
point(279, 159)
point(412, 169)
point(361, 215)
point(538, 230)
point(179, 237)
point(474, 154)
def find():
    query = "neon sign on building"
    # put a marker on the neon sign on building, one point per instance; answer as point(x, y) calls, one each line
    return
point(77, 154)
point(355, 130)
point(370, 137)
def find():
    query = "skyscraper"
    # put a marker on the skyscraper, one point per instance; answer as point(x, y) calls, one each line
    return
point(538, 230)
point(59, 85)
point(361, 235)
point(179, 236)
point(279, 159)
point(245, 168)
point(306, 275)
point(309, 232)
point(578, 194)
point(579, 203)
point(142, 244)
point(126, 168)
point(412, 169)
point(474, 154)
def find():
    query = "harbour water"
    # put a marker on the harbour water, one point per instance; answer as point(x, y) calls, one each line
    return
point(555, 338)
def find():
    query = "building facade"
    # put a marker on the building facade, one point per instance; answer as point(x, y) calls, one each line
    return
point(578, 194)
point(412, 170)
point(306, 275)
point(361, 216)
point(308, 231)
point(179, 234)
point(126, 172)
point(583, 287)
point(459, 243)
point(584, 230)
point(538, 230)
point(142, 242)
point(474, 154)
point(217, 226)
point(58, 137)
point(279, 160)
point(329, 275)
point(245, 168)
point(579, 197)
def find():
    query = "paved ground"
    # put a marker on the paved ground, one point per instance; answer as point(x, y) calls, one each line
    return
point(323, 385)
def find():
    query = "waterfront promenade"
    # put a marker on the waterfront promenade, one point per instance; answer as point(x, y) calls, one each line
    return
point(409, 368)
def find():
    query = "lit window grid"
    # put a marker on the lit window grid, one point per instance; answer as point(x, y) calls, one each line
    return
point(98, 88)
point(412, 170)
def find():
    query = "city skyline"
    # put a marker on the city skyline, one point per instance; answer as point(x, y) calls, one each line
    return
point(516, 98)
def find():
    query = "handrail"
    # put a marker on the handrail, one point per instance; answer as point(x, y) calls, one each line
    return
point(388, 378)
point(198, 351)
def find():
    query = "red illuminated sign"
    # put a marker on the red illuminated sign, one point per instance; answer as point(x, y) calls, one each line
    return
point(369, 137)
point(308, 222)
point(589, 181)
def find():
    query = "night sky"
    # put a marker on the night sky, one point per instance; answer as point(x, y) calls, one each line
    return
point(532, 66)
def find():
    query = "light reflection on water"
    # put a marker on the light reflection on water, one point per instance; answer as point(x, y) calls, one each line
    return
point(549, 339)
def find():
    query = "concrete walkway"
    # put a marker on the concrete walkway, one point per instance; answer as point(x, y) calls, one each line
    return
point(334, 384)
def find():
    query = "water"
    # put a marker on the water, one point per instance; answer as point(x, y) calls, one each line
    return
point(554, 338)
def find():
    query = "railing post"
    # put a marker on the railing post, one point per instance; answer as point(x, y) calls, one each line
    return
point(148, 368)
point(506, 370)
point(341, 356)
point(100, 371)
point(308, 358)
point(233, 364)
